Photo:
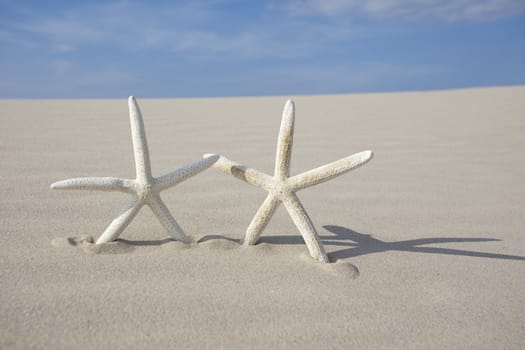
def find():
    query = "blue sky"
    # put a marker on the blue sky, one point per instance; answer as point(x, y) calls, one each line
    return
point(112, 49)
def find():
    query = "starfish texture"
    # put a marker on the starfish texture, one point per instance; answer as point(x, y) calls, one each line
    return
point(145, 189)
point(282, 188)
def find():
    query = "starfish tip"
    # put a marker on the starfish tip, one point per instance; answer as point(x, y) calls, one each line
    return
point(208, 155)
point(132, 102)
point(211, 156)
point(57, 185)
point(288, 117)
point(289, 107)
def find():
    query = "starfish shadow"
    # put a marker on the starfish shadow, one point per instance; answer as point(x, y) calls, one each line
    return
point(356, 244)
point(159, 242)
point(212, 237)
point(149, 242)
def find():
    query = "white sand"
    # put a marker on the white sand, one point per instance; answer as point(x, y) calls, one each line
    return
point(434, 223)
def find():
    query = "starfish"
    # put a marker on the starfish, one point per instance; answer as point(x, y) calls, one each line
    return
point(282, 188)
point(145, 189)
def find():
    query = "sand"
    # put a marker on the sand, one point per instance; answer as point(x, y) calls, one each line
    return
point(427, 239)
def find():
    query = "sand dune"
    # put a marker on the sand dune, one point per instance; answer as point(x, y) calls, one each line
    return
point(427, 239)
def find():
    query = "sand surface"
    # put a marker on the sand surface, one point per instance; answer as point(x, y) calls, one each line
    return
point(434, 224)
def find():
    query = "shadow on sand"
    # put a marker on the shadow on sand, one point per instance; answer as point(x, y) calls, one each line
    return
point(356, 244)
point(152, 242)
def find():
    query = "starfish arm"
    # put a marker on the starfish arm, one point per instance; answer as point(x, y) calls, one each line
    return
point(249, 175)
point(329, 171)
point(261, 219)
point(140, 144)
point(179, 175)
point(121, 221)
point(284, 142)
point(304, 224)
point(94, 183)
point(166, 219)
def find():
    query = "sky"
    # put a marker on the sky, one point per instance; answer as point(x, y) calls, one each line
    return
point(216, 48)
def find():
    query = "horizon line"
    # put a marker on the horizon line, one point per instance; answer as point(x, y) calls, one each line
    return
point(408, 91)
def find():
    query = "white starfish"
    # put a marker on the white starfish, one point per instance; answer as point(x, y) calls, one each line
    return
point(145, 189)
point(282, 188)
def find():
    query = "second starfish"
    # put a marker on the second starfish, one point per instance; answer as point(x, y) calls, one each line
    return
point(282, 188)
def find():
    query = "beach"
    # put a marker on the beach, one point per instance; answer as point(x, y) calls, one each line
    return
point(427, 239)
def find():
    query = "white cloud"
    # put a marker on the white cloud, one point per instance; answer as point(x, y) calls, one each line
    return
point(127, 24)
point(448, 10)
point(104, 48)
point(194, 29)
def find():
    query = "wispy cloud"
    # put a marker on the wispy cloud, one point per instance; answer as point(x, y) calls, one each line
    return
point(225, 47)
point(448, 10)
point(193, 29)
point(206, 27)
point(134, 25)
